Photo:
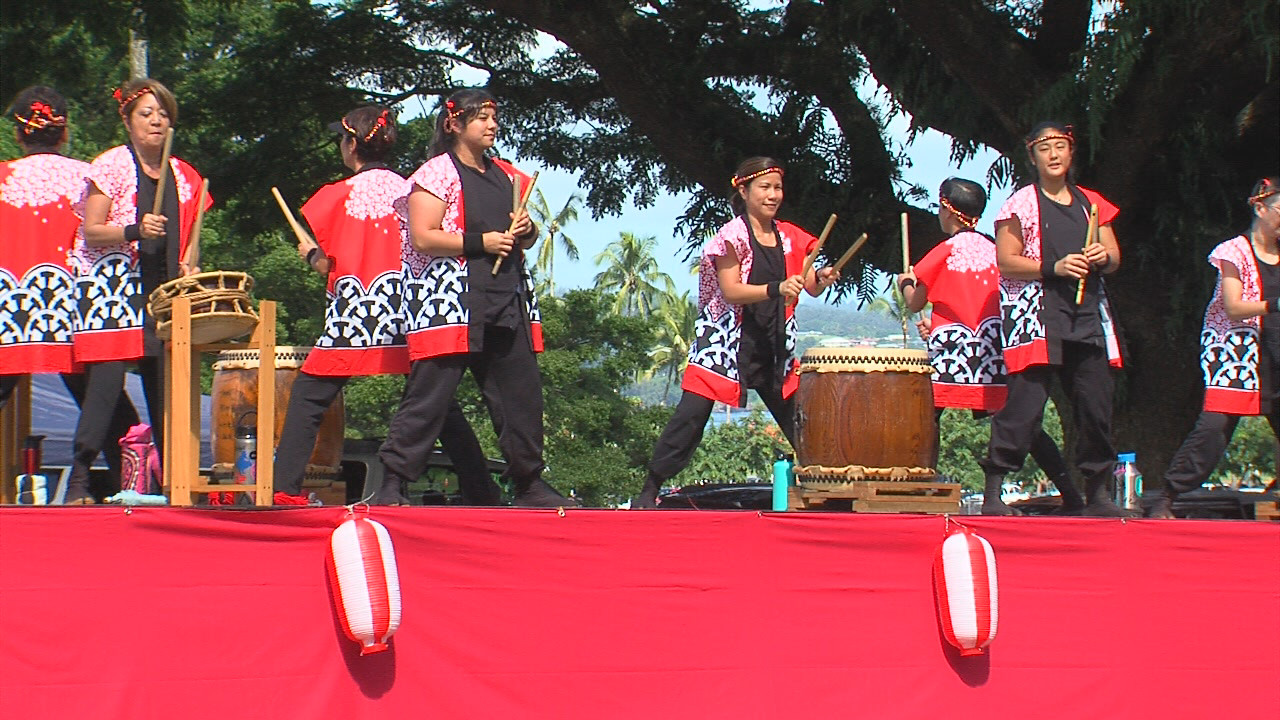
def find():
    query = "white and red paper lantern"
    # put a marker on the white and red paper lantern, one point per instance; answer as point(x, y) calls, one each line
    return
point(964, 581)
point(365, 582)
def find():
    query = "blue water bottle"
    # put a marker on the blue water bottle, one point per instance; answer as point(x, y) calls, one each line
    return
point(782, 470)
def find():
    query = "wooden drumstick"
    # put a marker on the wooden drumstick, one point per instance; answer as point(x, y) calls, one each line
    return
point(298, 230)
point(518, 203)
point(191, 257)
point(813, 254)
point(848, 254)
point(1089, 239)
point(158, 205)
point(906, 244)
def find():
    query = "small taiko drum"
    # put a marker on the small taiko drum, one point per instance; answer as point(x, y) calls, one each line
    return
point(235, 393)
point(865, 413)
point(220, 307)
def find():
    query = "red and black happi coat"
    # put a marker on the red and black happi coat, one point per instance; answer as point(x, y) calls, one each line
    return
point(1021, 301)
point(713, 357)
point(436, 320)
point(37, 295)
point(359, 228)
point(109, 298)
point(1230, 351)
point(964, 341)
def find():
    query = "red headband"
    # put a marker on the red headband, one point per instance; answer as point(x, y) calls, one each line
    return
point(41, 117)
point(120, 98)
point(965, 219)
point(736, 181)
point(1053, 135)
point(454, 110)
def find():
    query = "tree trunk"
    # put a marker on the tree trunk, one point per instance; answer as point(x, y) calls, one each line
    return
point(138, 45)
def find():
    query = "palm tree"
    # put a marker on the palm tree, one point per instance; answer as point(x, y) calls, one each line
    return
point(677, 316)
point(895, 307)
point(554, 225)
point(631, 271)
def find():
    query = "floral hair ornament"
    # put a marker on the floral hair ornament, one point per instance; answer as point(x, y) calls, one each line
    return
point(119, 95)
point(41, 116)
point(1265, 191)
point(736, 181)
point(455, 110)
point(1054, 134)
point(965, 219)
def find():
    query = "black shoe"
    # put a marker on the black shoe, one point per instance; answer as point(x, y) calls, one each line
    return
point(541, 495)
point(1105, 507)
point(997, 507)
point(480, 492)
point(646, 500)
point(1162, 508)
point(391, 494)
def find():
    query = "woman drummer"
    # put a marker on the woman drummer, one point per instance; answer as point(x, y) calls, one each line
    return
point(1240, 347)
point(37, 194)
point(123, 253)
point(748, 281)
point(960, 278)
point(469, 304)
point(359, 236)
point(1041, 250)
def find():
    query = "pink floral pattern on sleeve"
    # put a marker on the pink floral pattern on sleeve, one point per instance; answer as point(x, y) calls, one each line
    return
point(970, 253)
point(1239, 253)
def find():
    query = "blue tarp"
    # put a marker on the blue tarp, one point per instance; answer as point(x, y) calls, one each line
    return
point(54, 414)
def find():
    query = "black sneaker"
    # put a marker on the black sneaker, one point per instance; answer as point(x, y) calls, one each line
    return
point(541, 495)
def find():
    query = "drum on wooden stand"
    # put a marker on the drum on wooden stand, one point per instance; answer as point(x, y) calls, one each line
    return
point(865, 414)
point(220, 307)
point(235, 392)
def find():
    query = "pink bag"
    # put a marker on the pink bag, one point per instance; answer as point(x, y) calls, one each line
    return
point(139, 461)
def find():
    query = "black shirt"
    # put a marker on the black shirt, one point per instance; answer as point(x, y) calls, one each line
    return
point(491, 300)
point(763, 342)
point(1063, 230)
point(1269, 276)
point(158, 258)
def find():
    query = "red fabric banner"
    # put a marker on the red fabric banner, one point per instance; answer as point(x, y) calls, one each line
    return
point(508, 613)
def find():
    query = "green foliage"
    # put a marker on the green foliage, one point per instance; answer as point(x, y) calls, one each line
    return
point(370, 403)
point(963, 441)
point(736, 451)
point(1250, 457)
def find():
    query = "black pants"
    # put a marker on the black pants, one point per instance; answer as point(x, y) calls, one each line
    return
point(312, 395)
point(684, 430)
point(1043, 449)
point(1086, 378)
point(506, 371)
point(1203, 449)
point(122, 418)
point(103, 395)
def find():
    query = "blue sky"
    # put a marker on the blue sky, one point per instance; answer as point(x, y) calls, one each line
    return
point(929, 153)
point(930, 164)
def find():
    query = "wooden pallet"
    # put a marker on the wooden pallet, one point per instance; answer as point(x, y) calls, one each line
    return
point(1267, 511)
point(879, 496)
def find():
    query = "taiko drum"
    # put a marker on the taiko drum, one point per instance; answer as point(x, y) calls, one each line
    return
point(866, 407)
point(235, 392)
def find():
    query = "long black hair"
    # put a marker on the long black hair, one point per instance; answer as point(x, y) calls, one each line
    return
point(462, 106)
